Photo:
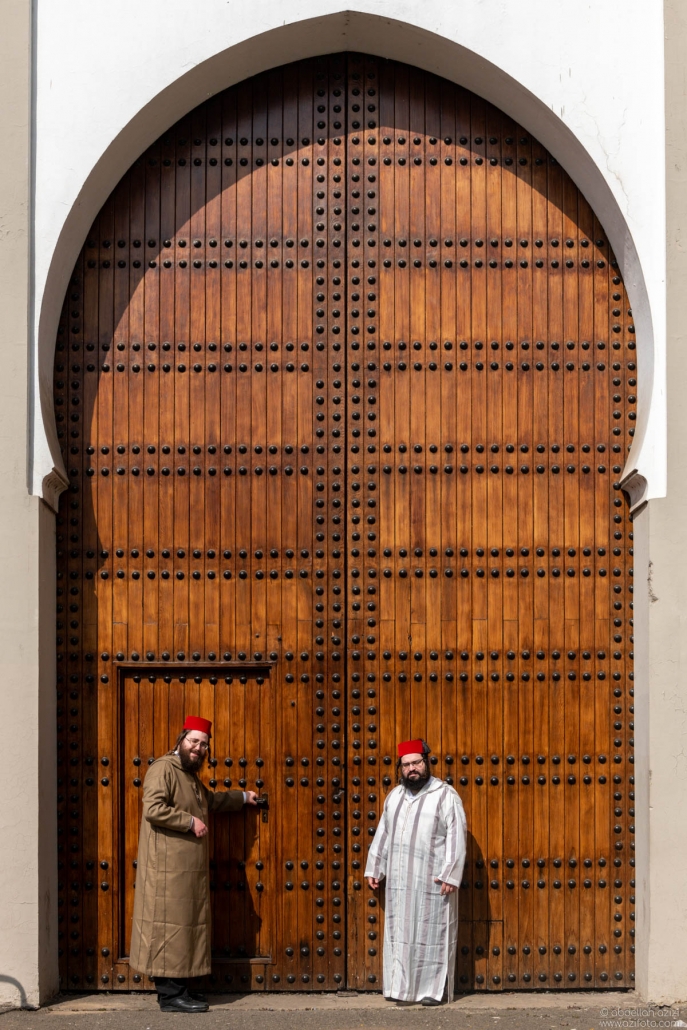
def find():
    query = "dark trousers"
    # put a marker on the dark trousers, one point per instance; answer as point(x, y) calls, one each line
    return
point(168, 988)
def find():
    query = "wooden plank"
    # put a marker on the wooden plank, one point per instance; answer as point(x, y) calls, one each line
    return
point(574, 643)
point(542, 643)
point(511, 647)
point(604, 603)
point(355, 500)
point(76, 616)
point(419, 415)
point(303, 531)
point(384, 212)
point(150, 430)
point(179, 456)
point(557, 541)
point(163, 458)
point(211, 444)
point(84, 520)
point(495, 529)
point(289, 729)
point(197, 374)
point(437, 514)
point(107, 611)
point(587, 614)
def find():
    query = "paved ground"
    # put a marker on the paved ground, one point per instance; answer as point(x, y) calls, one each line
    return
point(570, 1011)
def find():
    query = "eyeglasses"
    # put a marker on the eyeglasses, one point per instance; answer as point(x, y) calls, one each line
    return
point(409, 765)
point(200, 744)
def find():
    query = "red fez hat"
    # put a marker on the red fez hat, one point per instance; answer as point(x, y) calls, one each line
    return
point(413, 747)
point(194, 722)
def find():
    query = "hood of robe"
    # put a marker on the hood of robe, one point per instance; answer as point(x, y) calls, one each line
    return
point(432, 784)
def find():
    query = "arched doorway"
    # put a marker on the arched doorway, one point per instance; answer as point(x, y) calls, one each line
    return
point(345, 378)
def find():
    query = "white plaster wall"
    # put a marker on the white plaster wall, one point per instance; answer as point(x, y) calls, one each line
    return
point(585, 77)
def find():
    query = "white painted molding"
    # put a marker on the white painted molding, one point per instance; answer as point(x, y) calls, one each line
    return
point(634, 484)
point(53, 485)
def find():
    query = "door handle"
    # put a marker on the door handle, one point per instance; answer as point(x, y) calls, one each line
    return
point(263, 802)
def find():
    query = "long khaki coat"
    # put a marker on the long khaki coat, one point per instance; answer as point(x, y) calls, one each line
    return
point(171, 923)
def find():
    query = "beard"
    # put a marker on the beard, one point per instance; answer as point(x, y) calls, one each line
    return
point(415, 781)
point(191, 763)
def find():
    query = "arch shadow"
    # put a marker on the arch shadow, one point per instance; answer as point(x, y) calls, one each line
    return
point(23, 1002)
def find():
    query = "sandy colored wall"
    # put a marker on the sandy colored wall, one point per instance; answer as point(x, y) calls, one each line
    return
point(661, 603)
point(28, 895)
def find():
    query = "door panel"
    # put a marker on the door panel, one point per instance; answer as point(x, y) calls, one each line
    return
point(240, 707)
point(481, 527)
point(345, 381)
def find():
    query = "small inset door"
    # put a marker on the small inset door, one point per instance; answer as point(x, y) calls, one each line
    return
point(154, 704)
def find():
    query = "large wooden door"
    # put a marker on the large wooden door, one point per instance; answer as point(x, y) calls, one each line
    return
point(345, 382)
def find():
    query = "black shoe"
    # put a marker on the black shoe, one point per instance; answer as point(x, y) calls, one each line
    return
point(431, 1001)
point(197, 996)
point(183, 1004)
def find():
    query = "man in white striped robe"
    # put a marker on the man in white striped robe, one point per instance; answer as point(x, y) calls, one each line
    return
point(419, 848)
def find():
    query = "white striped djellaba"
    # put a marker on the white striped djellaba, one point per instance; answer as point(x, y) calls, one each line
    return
point(421, 838)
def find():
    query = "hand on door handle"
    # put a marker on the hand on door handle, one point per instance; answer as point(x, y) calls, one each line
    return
point(252, 798)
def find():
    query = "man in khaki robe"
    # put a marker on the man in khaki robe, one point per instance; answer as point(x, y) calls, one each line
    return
point(170, 940)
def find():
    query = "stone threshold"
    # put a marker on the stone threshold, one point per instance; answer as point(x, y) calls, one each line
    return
point(343, 1001)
